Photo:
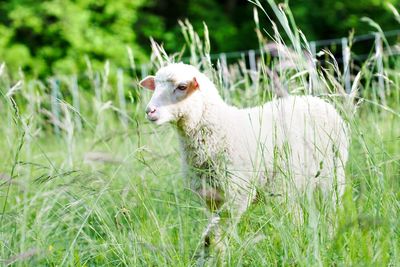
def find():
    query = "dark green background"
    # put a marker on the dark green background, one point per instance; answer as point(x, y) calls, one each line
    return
point(58, 36)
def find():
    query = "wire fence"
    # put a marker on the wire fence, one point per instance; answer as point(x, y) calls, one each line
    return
point(379, 47)
point(377, 42)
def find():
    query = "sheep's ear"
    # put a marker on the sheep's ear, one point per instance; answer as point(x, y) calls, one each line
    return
point(194, 84)
point(148, 83)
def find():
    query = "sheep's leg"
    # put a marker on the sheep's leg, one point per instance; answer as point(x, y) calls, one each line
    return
point(220, 228)
point(217, 239)
point(215, 236)
point(207, 237)
point(210, 230)
point(227, 226)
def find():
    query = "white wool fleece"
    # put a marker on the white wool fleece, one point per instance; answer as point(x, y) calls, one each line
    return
point(288, 145)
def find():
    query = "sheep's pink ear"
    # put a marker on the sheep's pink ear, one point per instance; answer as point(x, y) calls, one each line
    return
point(195, 83)
point(148, 83)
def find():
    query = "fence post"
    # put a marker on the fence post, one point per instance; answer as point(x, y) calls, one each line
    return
point(346, 65)
point(224, 69)
point(379, 65)
point(313, 49)
point(121, 97)
point(313, 72)
point(55, 107)
point(252, 61)
point(144, 70)
point(75, 101)
point(97, 87)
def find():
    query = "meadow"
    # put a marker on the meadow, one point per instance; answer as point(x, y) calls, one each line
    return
point(85, 180)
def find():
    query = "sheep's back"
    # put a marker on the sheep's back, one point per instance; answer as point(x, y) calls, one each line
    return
point(300, 137)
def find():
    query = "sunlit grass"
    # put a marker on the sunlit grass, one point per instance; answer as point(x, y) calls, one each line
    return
point(114, 194)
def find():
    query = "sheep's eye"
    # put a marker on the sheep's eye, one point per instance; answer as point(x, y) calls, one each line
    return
point(181, 87)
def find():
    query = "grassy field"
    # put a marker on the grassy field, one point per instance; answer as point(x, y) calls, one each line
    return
point(101, 186)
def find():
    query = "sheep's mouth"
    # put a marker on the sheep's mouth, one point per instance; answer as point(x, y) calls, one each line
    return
point(152, 119)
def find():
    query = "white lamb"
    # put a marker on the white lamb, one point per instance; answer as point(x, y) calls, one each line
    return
point(289, 145)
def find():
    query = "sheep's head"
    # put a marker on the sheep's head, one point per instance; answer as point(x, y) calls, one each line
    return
point(175, 87)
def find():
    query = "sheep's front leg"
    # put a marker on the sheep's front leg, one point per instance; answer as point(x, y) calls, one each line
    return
point(222, 226)
point(210, 232)
point(227, 206)
point(214, 242)
point(208, 238)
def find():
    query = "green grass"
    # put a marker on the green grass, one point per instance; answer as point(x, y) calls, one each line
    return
point(139, 211)
point(132, 206)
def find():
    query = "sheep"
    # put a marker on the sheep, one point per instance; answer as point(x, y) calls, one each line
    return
point(288, 145)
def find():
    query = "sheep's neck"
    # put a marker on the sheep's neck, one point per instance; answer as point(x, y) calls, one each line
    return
point(203, 142)
point(207, 125)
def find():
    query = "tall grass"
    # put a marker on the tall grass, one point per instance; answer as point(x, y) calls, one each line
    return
point(95, 184)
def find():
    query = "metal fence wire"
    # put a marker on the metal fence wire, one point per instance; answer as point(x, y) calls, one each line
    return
point(379, 47)
point(377, 43)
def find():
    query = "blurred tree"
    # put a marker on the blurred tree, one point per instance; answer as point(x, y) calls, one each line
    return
point(324, 19)
point(54, 36)
point(231, 22)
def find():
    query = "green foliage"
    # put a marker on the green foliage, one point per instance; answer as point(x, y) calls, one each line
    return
point(58, 36)
point(230, 22)
point(55, 36)
point(324, 19)
point(232, 26)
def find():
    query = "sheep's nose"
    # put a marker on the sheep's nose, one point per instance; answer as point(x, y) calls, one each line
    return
point(150, 110)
